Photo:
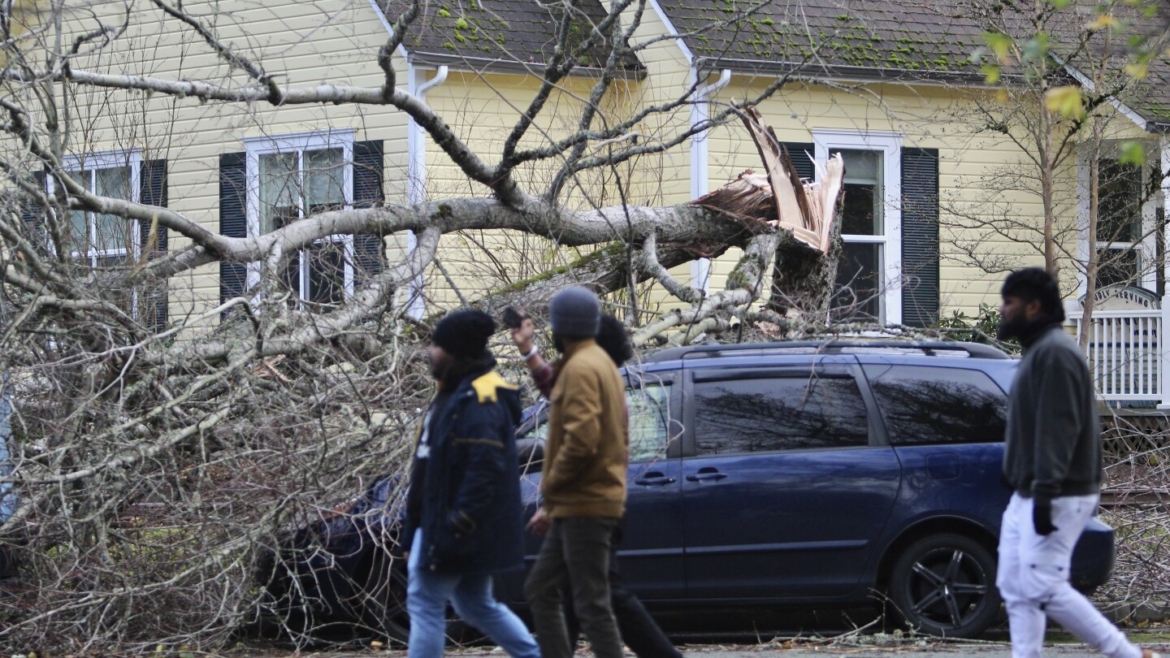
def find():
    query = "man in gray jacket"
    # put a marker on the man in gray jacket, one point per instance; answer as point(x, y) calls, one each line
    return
point(1052, 461)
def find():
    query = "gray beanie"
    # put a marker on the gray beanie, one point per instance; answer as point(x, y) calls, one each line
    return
point(575, 313)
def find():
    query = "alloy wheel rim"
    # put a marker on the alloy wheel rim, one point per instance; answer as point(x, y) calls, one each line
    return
point(948, 587)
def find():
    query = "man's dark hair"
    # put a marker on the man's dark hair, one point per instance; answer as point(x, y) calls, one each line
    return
point(1033, 283)
point(612, 337)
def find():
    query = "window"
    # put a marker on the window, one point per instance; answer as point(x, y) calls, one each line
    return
point(649, 411)
point(293, 177)
point(108, 245)
point(863, 212)
point(1126, 222)
point(766, 415)
point(1119, 223)
point(931, 406)
point(104, 241)
point(869, 273)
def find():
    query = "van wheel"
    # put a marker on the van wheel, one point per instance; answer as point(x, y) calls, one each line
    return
point(944, 585)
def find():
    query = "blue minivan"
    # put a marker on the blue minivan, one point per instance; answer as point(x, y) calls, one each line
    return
point(816, 474)
point(765, 476)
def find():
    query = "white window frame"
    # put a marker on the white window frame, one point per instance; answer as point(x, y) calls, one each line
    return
point(92, 162)
point(1147, 248)
point(889, 144)
point(254, 147)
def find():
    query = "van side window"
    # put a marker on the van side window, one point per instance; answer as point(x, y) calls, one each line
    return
point(789, 413)
point(924, 405)
point(649, 408)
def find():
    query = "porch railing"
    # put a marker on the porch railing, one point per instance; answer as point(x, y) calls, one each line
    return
point(1126, 354)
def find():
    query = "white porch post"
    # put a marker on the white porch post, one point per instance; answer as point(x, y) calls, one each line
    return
point(1163, 343)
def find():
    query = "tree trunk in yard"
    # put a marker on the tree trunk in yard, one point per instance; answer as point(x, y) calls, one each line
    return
point(808, 279)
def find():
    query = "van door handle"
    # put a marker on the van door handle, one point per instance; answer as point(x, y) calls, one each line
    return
point(706, 474)
point(654, 479)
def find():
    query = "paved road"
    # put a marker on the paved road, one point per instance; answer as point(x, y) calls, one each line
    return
point(934, 651)
point(869, 646)
point(881, 645)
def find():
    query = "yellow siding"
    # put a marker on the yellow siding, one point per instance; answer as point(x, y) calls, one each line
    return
point(337, 41)
point(974, 171)
point(665, 177)
point(483, 110)
point(307, 43)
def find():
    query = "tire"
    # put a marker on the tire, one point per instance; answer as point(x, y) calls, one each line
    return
point(944, 585)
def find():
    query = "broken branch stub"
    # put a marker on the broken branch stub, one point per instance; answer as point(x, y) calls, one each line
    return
point(807, 209)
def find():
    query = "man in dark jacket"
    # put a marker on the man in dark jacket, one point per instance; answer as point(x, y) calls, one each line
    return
point(1053, 462)
point(463, 506)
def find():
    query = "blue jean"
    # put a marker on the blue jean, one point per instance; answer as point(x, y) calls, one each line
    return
point(427, 595)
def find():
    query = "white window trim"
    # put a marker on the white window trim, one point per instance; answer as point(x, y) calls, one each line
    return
point(105, 160)
point(1165, 264)
point(254, 147)
point(1147, 248)
point(890, 145)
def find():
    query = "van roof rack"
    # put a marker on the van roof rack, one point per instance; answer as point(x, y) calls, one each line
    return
point(831, 346)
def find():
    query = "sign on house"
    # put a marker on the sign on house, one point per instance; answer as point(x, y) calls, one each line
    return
point(1124, 298)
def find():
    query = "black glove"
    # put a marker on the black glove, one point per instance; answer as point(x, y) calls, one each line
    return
point(1042, 516)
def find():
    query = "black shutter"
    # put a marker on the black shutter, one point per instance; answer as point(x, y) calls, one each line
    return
point(368, 249)
point(153, 192)
point(33, 215)
point(233, 220)
point(920, 257)
point(801, 153)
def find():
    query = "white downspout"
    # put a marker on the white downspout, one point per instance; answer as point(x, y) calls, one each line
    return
point(1163, 338)
point(700, 161)
point(416, 172)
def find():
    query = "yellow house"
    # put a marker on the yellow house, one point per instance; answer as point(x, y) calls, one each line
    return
point(887, 85)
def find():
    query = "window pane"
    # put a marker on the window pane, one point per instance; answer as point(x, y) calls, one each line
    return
point(862, 205)
point(113, 233)
point(649, 408)
point(290, 276)
point(111, 262)
point(859, 211)
point(279, 197)
point(758, 415)
point(858, 280)
point(927, 406)
point(1120, 209)
point(1117, 267)
point(324, 180)
point(326, 273)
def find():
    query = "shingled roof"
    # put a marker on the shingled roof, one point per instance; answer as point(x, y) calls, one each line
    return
point(910, 40)
point(869, 38)
point(502, 35)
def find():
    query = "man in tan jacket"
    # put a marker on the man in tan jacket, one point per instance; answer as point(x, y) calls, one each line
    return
point(583, 483)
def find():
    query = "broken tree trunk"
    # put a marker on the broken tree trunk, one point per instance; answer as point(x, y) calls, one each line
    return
point(804, 280)
point(805, 272)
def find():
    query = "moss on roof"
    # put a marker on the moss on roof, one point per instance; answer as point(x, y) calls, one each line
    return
point(508, 30)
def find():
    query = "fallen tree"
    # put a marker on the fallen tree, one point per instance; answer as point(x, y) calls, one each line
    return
point(157, 464)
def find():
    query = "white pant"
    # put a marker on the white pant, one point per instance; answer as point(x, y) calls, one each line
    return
point(1033, 580)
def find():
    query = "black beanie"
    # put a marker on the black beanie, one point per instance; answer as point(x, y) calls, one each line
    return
point(464, 334)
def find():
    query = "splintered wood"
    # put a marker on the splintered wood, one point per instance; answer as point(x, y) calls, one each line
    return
point(806, 208)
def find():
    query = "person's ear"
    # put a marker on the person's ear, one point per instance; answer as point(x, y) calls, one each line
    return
point(1033, 309)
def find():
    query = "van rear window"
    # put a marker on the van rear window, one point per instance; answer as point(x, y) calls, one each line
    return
point(924, 405)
